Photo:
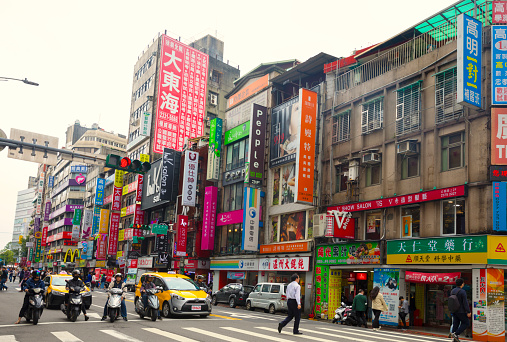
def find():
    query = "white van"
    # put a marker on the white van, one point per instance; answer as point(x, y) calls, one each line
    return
point(268, 296)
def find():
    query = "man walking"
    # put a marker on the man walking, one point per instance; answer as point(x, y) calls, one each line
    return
point(293, 305)
point(3, 278)
point(359, 305)
point(460, 316)
point(404, 311)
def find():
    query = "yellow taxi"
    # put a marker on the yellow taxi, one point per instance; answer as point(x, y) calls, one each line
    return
point(179, 295)
point(54, 295)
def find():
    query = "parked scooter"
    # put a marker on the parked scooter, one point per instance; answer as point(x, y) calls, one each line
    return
point(35, 305)
point(349, 317)
point(338, 313)
point(151, 309)
point(73, 310)
point(114, 304)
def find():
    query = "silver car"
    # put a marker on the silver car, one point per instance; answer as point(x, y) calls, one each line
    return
point(268, 296)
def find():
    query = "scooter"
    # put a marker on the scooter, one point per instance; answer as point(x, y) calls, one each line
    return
point(73, 310)
point(114, 304)
point(151, 309)
point(338, 313)
point(35, 305)
point(349, 317)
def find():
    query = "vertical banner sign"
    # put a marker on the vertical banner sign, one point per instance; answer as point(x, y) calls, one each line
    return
point(251, 212)
point(40, 190)
point(305, 167)
point(209, 219)
point(51, 181)
point(30, 254)
point(499, 12)
point(113, 233)
point(145, 124)
point(118, 187)
point(139, 190)
point(37, 250)
point(182, 226)
point(75, 232)
point(496, 302)
point(258, 122)
point(190, 178)
point(498, 65)
point(89, 251)
point(388, 280)
point(44, 236)
point(214, 150)
point(498, 136)
point(96, 221)
point(76, 220)
point(104, 221)
point(87, 224)
point(102, 249)
point(167, 174)
point(36, 224)
point(285, 121)
point(138, 215)
point(161, 243)
point(99, 191)
point(500, 206)
point(469, 61)
point(321, 291)
point(181, 95)
point(335, 291)
point(47, 210)
point(479, 305)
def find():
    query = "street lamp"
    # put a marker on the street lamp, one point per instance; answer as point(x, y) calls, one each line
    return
point(25, 81)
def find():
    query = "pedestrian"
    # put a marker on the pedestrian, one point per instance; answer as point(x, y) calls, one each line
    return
point(11, 274)
point(378, 304)
point(404, 311)
point(102, 281)
point(15, 275)
point(359, 305)
point(293, 305)
point(21, 275)
point(3, 278)
point(94, 281)
point(460, 310)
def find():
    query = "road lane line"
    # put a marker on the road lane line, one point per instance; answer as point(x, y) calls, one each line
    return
point(305, 337)
point(404, 335)
point(215, 335)
point(8, 338)
point(172, 336)
point(231, 318)
point(120, 336)
point(335, 335)
point(66, 336)
point(94, 315)
point(251, 333)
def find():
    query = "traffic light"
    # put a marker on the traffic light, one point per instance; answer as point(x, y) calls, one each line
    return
point(125, 164)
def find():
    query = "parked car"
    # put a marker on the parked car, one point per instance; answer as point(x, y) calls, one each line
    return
point(234, 294)
point(54, 295)
point(180, 295)
point(268, 296)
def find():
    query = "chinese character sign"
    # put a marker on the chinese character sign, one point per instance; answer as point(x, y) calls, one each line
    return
point(181, 95)
point(139, 190)
point(499, 12)
point(498, 136)
point(500, 206)
point(116, 198)
point(214, 150)
point(104, 221)
point(76, 220)
point(99, 191)
point(190, 178)
point(96, 220)
point(209, 219)
point(469, 61)
point(499, 65)
point(113, 234)
point(44, 236)
point(182, 227)
point(145, 124)
point(251, 213)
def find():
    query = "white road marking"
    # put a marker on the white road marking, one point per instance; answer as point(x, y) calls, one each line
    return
point(306, 337)
point(172, 336)
point(65, 336)
point(335, 335)
point(120, 336)
point(8, 338)
point(405, 335)
point(215, 335)
point(94, 315)
point(251, 333)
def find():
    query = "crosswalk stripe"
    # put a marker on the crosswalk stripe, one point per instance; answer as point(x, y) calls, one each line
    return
point(167, 334)
point(215, 335)
point(373, 334)
point(335, 335)
point(8, 338)
point(94, 315)
point(405, 335)
point(65, 336)
point(305, 337)
point(120, 336)
point(251, 333)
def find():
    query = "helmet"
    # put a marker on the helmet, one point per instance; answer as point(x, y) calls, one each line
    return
point(118, 275)
point(36, 274)
point(76, 273)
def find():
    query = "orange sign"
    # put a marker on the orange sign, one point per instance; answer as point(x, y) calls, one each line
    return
point(305, 167)
point(248, 91)
point(498, 136)
point(285, 247)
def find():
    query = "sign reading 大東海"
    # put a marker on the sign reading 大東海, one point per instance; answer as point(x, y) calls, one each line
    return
point(439, 250)
point(237, 133)
point(349, 254)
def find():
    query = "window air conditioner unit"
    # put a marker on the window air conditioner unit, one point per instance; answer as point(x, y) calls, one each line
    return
point(213, 99)
point(353, 173)
point(371, 158)
point(208, 121)
point(407, 147)
point(319, 224)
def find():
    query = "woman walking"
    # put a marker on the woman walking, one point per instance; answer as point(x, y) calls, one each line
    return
point(378, 304)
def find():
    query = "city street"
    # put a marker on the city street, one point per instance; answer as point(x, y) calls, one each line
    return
point(225, 324)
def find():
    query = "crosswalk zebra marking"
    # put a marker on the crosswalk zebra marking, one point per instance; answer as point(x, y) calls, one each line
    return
point(8, 338)
point(306, 337)
point(66, 336)
point(215, 335)
point(170, 335)
point(335, 335)
point(251, 333)
point(405, 335)
point(120, 336)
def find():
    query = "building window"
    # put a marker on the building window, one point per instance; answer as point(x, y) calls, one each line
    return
point(372, 115)
point(408, 106)
point(229, 241)
point(233, 196)
point(342, 176)
point(446, 96)
point(410, 221)
point(453, 216)
point(373, 174)
point(409, 167)
point(341, 127)
point(373, 224)
point(453, 151)
point(276, 187)
point(236, 153)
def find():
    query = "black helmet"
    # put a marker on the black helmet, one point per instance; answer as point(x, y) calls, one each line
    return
point(36, 274)
point(76, 273)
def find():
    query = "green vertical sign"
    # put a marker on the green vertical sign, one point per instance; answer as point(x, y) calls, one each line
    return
point(30, 254)
point(37, 250)
point(321, 291)
point(76, 220)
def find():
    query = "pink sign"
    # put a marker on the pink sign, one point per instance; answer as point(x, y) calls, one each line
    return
point(101, 249)
point(181, 95)
point(138, 216)
point(499, 12)
point(182, 225)
point(116, 198)
point(44, 236)
point(80, 179)
point(285, 264)
point(432, 278)
point(108, 199)
point(230, 217)
point(432, 195)
point(210, 214)
point(113, 234)
point(139, 193)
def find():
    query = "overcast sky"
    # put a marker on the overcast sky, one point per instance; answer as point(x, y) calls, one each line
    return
point(83, 52)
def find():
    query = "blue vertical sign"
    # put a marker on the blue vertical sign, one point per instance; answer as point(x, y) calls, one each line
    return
point(469, 61)
point(499, 65)
point(96, 221)
point(51, 181)
point(99, 191)
point(500, 206)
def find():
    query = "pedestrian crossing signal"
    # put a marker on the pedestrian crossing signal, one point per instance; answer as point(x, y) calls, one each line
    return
point(126, 164)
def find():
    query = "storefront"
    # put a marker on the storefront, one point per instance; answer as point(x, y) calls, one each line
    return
point(226, 271)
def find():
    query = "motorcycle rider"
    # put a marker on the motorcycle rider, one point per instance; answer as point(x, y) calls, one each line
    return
point(75, 282)
point(117, 283)
point(148, 284)
point(34, 282)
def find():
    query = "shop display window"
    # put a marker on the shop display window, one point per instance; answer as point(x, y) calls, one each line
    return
point(229, 239)
point(410, 221)
point(453, 216)
point(373, 224)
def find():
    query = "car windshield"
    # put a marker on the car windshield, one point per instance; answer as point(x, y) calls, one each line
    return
point(181, 284)
point(247, 289)
point(60, 281)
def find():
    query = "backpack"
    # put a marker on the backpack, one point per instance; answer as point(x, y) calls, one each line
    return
point(453, 303)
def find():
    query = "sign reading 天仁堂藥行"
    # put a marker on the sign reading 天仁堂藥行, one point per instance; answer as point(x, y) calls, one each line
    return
point(469, 61)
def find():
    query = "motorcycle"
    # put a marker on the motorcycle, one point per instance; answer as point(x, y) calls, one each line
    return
point(349, 317)
point(151, 309)
point(338, 317)
point(35, 305)
point(114, 304)
point(73, 310)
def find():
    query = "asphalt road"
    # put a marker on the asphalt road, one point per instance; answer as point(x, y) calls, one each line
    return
point(225, 324)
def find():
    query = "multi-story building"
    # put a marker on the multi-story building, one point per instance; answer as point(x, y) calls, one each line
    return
point(23, 216)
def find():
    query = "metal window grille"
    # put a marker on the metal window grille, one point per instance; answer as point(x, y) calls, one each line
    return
point(446, 95)
point(341, 127)
point(408, 109)
point(372, 115)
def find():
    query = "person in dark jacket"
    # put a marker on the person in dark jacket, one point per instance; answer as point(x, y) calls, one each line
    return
point(148, 284)
point(34, 282)
point(359, 305)
point(75, 282)
point(460, 318)
point(3, 278)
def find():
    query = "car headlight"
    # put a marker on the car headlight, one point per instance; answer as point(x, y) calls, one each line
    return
point(175, 296)
point(85, 294)
point(58, 293)
point(208, 297)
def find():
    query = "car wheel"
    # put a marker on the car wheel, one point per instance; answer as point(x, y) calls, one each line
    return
point(249, 306)
point(166, 310)
point(232, 302)
point(272, 309)
point(46, 302)
point(214, 300)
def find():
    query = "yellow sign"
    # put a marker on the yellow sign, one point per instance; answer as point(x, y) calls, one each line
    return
point(144, 158)
point(118, 178)
point(20, 239)
point(125, 190)
point(73, 255)
point(438, 258)
point(123, 212)
point(335, 290)
point(100, 263)
point(119, 254)
point(104, 221)
point(38, 235)
point(121, 235)
point(497, 249)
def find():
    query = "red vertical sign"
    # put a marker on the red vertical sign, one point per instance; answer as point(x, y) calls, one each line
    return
point(138, 215)
point(101, 249)
point(116, 198)
point(44, 236)
point(139, 193)
point(182, 226)
point(113, 234)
